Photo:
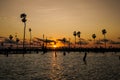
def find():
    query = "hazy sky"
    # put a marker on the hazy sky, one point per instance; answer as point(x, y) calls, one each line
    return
point(59, 18)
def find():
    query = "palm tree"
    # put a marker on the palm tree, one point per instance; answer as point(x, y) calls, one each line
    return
point(30, 36)
point(94, 36)
point(104, 32)
point(78, 34)
point(43, 41)
point(75, 34)
point(64, 41)
point(17, 41)
point(23, 16)
point(10, 37)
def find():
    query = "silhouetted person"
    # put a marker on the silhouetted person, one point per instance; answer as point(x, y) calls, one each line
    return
point(64, 53)
point(84, 58)
point(23, 55)
point(6, 54)
point(85, 62)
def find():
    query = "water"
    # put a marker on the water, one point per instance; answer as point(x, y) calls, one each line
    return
point(98, 66)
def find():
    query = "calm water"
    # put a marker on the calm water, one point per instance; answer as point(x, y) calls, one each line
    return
point(98, 66)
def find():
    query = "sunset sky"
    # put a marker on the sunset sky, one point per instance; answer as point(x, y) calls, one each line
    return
point(59, 18)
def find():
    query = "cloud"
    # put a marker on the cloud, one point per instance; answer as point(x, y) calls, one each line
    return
point(114, 42)
point(2, 37)
point(44, 40)
point(63, 40)
point(99, 42)
point(82, 41)
point(9, 41)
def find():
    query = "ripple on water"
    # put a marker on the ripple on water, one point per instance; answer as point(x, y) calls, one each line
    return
point(69, 67)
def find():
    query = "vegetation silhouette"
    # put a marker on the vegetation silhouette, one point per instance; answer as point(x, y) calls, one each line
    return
point(23, 16)
point(30, 36)
point(104, 32)
point(10, 37)
point(94, 36)
point(78, 34)
point(75, 34)
point(44, 46)
point(17, 41)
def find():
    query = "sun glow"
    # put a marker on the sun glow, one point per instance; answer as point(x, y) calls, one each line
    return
point(54, 46)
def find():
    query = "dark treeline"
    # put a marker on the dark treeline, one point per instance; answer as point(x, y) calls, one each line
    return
point(29, 50)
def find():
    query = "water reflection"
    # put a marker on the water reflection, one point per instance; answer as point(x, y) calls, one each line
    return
point(55, 54)
point(69, 67)
point(56, 67)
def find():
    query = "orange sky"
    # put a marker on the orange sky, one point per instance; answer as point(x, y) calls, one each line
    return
point(59, 18)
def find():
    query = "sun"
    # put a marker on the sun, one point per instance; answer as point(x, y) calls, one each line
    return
point(54, 46)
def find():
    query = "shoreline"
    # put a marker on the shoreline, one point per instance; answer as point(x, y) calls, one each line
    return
point(44, 50)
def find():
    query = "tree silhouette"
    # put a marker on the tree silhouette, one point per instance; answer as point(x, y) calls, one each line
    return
point(94, 36)
point(10, 37)
point(64, 41)
point(78, 34)
point(17, 41)
point(23, 16)
point(75, 34)
point(104, 32)
point(30, 36)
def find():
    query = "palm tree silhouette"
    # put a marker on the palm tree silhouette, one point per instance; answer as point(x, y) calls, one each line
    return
point(23, 16)
point(104, 32)
point(94, 36)
point(17, 41)
point(10, 37)
point(75, 34)
point(64, 41)
point(78, 34)
point(43, 41)
point(30, 36)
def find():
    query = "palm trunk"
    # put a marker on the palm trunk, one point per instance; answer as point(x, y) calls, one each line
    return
point(105, 41)
point(80, 42)
point(24, 36)
point(94, 41)
point(30, 39)
point(43, 42)
point(75, 41)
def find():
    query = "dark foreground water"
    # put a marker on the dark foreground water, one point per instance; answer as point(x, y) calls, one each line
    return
point(98, 66)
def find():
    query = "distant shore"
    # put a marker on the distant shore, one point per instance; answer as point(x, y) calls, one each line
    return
point(27, 50)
